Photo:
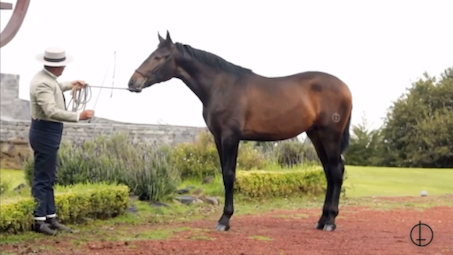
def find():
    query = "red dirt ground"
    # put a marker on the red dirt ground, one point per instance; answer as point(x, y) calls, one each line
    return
point(360, 230)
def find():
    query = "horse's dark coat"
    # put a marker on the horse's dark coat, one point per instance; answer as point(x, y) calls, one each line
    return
point(241, 105)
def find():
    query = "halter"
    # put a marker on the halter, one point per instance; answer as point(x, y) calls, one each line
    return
point(155, 70)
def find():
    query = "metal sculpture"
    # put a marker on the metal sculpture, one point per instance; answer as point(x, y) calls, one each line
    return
point(15, 22)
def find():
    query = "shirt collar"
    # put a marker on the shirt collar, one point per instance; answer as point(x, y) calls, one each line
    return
point(51, 74)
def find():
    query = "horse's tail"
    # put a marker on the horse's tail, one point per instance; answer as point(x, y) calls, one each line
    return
point(345, 138)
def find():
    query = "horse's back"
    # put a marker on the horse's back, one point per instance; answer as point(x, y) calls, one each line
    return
point(301, 86)
point(318, 80)
point(282, 107)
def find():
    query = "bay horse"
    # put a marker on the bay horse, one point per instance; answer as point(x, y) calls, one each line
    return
point(239, 104)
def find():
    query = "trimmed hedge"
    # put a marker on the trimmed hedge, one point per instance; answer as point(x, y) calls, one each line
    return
point(74, 205)
point(281, 183)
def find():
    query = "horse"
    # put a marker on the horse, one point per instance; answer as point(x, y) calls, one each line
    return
point(240, 105)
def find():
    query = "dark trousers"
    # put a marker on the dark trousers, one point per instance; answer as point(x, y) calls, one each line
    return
point(45, 139)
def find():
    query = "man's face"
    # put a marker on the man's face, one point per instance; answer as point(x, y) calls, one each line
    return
point(59, 70)
point(56, 70)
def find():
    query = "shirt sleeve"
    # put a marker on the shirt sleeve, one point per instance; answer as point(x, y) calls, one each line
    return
point(66, 85)
point(45, 98)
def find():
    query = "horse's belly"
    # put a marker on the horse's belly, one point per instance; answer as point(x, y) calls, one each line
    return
point(276, 126)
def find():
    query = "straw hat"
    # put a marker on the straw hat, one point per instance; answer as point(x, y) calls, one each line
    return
point(54, 56)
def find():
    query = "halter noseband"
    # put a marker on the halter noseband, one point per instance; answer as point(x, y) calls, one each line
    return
point(155, 70)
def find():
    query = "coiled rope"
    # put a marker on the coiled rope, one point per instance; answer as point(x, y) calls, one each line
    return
point(80, 98)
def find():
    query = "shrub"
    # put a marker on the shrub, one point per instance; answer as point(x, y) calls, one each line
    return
point(291, 153)
point(281, 183)
point(157, 179)
point(200, 158)
point(74, 205)
point(197, 159)
point(4, 186)
point(266, 150)
point(250, 157)
point(146, 169)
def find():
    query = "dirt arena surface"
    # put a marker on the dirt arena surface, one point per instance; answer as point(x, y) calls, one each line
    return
point(360, 230)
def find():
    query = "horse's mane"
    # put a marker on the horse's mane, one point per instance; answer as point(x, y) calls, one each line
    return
point(212, 60)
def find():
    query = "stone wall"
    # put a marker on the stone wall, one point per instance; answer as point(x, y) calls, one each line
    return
point(15, 124)
point(11, 105)
point(14, 136)
point(78, 132)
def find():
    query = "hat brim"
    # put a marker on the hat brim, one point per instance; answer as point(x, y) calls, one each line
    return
point(40, 58)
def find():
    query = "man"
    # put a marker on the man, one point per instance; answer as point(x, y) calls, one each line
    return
point(48, 111)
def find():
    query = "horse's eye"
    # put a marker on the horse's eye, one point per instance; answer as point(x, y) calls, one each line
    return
point(156, 57)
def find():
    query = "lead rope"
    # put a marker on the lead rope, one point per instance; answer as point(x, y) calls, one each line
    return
point(103, 80)
point(80, 98)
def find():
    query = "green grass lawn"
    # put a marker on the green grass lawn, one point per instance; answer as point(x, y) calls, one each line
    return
point(12, 177)
point(386, 181)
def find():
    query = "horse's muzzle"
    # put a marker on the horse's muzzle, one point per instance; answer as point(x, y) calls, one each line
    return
point(135, 90)
point(133, 87)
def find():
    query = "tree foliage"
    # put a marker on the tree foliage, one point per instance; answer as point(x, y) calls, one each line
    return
point(365, 147)
point(418, 129)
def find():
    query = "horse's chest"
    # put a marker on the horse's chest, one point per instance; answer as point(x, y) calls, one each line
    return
point(210, 118)
point(216, 118)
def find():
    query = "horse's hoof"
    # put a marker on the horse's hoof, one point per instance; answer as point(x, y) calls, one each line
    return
point(329, 227)
point(221, 227)
point(319, 226)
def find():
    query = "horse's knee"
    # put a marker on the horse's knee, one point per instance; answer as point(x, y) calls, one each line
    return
point(336, 172)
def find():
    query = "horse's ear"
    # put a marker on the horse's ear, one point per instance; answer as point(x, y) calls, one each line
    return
point(160, 37)
point(168, 38)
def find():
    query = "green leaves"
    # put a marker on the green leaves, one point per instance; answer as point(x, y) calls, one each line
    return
point(365, 146)
point(418, 129)
point(74, 204)
point(200, 158)
point(146, 169)
point(295, 153)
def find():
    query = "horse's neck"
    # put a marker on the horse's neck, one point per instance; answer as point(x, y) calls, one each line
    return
point(193, 76)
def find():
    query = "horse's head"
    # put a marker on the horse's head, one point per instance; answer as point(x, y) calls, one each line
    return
point(158, 67)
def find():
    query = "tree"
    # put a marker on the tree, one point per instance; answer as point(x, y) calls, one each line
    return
point(365, 145)
point(418, 129)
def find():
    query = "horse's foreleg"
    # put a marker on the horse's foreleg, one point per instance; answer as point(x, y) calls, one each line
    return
point(229, 145)
point(218, 144)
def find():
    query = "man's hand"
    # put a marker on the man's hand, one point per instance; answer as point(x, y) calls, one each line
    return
point(78, 84)
point(87, 114)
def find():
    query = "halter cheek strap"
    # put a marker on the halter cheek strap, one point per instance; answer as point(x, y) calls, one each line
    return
point(155, 70)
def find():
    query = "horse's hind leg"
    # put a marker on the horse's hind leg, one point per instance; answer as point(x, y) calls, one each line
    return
point(319, 147)
point(335, 170)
